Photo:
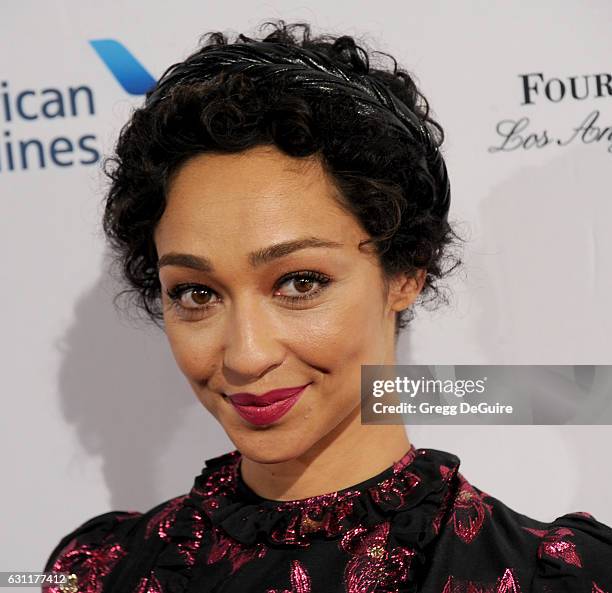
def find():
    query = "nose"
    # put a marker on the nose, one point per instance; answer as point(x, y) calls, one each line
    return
point(252, 347)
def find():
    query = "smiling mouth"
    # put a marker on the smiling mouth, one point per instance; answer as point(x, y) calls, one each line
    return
point(265, 399)
point(257, 414)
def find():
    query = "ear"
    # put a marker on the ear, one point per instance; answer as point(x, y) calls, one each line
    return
point(404, 289)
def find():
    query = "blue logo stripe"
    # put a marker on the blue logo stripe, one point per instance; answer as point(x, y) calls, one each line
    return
point(128, 71)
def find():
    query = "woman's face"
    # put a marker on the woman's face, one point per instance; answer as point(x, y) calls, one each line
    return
point(258, 309)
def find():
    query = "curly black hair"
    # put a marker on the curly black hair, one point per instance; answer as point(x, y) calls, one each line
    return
point(371, 129)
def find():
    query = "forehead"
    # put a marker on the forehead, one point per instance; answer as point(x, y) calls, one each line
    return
point(260, 196)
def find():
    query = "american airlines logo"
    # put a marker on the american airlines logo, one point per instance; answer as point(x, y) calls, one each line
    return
point(38, 132)
point(127, 70)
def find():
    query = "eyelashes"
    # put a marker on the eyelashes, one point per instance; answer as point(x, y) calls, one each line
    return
point(302, 280)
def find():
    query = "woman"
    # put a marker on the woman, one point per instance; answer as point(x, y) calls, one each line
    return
point(281, 206)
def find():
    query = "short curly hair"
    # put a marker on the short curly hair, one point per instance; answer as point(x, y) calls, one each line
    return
point(390, 176)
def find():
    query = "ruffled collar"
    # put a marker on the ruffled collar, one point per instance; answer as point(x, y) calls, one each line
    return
point(423, 480)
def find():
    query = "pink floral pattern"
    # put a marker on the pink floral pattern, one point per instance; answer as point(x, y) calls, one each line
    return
point(149, 584)
point(162, 521)
point(507, 583)
point(418, 526)
point(294, 522)
point(469, 509)
point(300, 581)
point(557, 544)
point(372, 566)
point(223, 547)
point(94, 563)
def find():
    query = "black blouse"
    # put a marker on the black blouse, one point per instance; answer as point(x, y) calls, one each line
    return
point(417, 526)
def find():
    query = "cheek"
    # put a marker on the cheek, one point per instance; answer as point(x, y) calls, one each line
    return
point(193, 351)
point(340, 336)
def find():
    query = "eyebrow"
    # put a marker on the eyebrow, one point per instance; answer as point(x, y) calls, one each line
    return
point(256, 258)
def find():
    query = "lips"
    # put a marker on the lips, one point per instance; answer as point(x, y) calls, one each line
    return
point(258, 412)
point(270, 397)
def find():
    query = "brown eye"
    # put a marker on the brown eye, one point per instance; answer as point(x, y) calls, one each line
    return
point(187, 297)
point(303, 284)
point(200, 296)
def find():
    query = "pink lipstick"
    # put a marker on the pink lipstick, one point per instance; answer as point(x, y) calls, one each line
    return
point(268, 407)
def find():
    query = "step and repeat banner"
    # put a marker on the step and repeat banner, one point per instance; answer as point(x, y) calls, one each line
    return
point(96, 416)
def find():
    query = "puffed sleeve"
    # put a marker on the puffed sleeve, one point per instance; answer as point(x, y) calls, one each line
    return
point(90, 551)
point(574, 554)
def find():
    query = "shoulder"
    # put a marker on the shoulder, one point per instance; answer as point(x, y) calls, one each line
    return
point(571, 553)
point(483, 542)
point(574, 553)
point(92, 550)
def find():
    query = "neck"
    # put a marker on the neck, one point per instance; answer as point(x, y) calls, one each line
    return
point(332, 464)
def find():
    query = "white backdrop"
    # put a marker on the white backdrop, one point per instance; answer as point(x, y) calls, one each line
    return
point(96, 416)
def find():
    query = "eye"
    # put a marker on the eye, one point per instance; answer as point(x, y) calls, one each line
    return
point(303, 283)
point(199, 294)
point(204, 298)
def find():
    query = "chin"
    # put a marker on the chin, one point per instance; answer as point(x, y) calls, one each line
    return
point(266, 446)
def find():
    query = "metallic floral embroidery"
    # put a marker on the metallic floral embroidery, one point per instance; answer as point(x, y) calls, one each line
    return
point(507, 583)
point(219, 484)
point(322, 514)
point(228, 548)
point(596, 588)
point(299, 578)
point(469, 509)
point(149, 584)
point(189, 548)
point(555, 544)
point(446, 501)
point(395, 490)
point(89, 563)
point(317, 514)
point(371, 567)
point(162, 522)
point(164, 519)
